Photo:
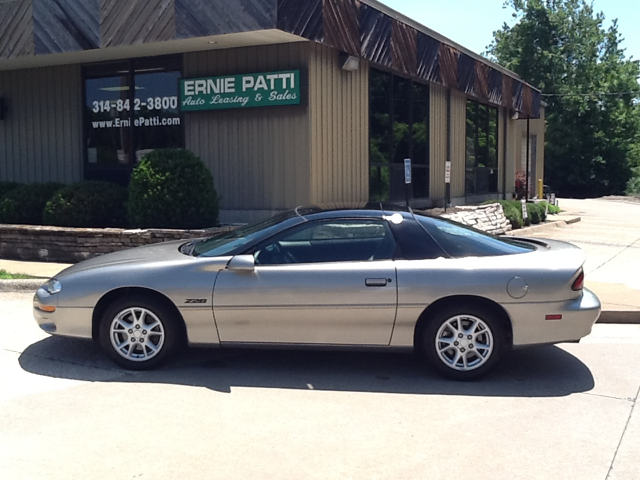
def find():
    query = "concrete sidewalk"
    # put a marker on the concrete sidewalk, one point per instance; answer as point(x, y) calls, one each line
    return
point(35, 269)
point(41, 270)
point(608, 230)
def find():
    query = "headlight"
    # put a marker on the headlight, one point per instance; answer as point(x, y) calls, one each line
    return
point(52, 286)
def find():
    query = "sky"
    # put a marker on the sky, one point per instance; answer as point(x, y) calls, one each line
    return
point(471, 23)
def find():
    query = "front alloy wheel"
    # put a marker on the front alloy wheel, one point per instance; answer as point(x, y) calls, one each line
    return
point(136, 334)
point(139, 334)
point(463, 343)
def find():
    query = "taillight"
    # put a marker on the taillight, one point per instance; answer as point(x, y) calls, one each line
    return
point(579, 282)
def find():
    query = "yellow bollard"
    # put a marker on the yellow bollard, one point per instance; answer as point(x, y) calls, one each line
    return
point(540, 192)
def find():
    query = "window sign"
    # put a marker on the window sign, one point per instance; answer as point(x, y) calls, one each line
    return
point(156, 116)
point(131, 108)
point(240, 91)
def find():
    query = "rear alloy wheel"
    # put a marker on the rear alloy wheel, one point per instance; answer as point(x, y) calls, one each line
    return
point(139, 334)
point(463, 343)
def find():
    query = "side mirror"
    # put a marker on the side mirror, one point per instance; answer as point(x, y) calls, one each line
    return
point(242, 263)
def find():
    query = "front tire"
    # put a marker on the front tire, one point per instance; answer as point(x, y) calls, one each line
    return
point(463, 343)
point(139, 334)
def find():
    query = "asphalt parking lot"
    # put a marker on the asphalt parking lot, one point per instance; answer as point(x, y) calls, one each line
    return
point(561, 412)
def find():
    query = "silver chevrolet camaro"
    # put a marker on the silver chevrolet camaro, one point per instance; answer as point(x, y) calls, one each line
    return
point(342, 278)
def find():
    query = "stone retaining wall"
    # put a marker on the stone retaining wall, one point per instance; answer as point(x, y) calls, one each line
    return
point(488, 218)
point(71, 245)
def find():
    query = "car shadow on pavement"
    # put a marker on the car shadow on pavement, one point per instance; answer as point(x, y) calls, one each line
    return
point(544, 371)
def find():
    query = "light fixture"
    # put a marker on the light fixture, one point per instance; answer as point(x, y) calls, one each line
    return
point(348, 62)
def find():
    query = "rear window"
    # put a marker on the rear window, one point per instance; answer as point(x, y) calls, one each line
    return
point(461, 241)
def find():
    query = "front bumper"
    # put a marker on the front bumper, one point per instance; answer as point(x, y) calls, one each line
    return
point(531, 328)
point(65, 321)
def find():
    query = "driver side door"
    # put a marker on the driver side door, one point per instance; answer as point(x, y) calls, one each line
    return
point(325, 282)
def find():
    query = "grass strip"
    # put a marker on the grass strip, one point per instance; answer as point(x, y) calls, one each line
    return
point(4, 275)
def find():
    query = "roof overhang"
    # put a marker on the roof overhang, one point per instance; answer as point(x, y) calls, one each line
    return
point(214, 42)
point(35, 33)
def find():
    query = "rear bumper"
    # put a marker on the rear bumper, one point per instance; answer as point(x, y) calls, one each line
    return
point(531, 328)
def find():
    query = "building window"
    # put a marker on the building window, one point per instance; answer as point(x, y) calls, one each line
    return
point(481, 149)
point(131, 108)
point(398, 129)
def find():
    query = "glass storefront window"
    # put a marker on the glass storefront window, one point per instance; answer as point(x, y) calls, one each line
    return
point(131, 108)
point(398, 129)
point(481, 149)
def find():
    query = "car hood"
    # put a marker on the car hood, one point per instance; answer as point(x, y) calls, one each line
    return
point(158, 252)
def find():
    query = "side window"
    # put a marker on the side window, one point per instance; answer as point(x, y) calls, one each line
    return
point(329, 241)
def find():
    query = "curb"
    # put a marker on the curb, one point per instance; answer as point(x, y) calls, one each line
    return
point(521, 232)
point(625, 317)
point(21, 285)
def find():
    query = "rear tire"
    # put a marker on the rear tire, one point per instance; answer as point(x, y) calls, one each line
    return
point(139, 334)
point(463, 342)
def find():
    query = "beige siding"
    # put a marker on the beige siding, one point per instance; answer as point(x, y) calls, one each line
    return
point(513, 154)
point(438, 142)
point(458, 143)
point(41, 135)
point(502, 157)
point(339, 111)
point(540, 126)
point(259, 157)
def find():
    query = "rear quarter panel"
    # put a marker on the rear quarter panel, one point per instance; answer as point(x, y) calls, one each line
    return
point(547, 273)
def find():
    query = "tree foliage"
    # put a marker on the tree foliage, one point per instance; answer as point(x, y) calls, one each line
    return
point(589, 86)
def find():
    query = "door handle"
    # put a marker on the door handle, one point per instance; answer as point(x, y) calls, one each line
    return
point(375, 282)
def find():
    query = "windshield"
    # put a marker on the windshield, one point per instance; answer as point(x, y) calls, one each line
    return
point(461, 241)
point(229, 242)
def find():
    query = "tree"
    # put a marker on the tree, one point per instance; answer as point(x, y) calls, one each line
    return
point(589, 86)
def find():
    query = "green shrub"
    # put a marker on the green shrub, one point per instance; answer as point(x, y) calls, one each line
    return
point(172, 188)
point(535, 213)
point(543, 211)
point(513, 213)
point(25, 204)
point(6, 187)
point(554, 209)
point(88, 204)
point(548, 209)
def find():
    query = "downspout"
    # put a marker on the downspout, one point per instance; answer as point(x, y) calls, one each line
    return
point(526, 186)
